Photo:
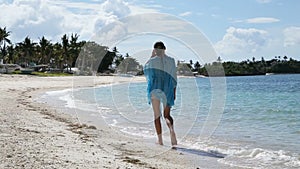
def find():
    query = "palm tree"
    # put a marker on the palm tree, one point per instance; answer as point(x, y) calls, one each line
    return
point(191, 65)
point(65, 48)
point(27, 48)
point(263, 60)
point(57, 56)
point(119, 58)
point(197, 66)
point(75, 48)
point(3, 51)
point(4, 36)
point(3, 40)
point(44, 49)
point(11, 52)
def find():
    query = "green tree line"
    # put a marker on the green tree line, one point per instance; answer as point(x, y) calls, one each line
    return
point(248, 67)
point(60, 55)
point(65, 53)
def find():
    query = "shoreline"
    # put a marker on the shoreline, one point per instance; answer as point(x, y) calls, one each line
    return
point(35, 135)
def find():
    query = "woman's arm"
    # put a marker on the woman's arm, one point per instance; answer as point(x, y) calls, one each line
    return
point(153, 53)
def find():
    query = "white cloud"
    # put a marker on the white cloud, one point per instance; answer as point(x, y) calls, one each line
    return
point(262, 20)
point(264, 1)
point(215, 15)
point(185, 13)
point(239, 41)
point(37, 18)
point(257, 20)
point(31, 18)
point(291, 36)
point(118, 8)
point(112, 34)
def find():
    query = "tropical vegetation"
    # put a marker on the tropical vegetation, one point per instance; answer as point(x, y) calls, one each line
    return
point(63, 55)
point(93, 58)
point(248, 67)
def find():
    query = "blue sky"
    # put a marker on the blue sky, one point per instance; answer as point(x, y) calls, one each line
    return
point(237, 29)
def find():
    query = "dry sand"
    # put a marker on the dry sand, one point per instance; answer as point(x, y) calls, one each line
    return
point(34, 135)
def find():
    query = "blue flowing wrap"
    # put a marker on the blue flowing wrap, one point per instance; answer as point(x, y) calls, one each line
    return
point(161, 78)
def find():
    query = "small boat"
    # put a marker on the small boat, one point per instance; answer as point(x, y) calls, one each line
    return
point(202, 76)
point(268, 74)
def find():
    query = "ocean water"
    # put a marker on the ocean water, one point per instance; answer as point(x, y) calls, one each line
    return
point(258, 125)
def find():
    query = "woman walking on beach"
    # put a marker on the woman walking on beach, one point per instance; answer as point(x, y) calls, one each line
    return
point(160, 71)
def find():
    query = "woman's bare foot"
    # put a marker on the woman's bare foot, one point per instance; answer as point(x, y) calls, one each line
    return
point(160, 140)
point(159, 143)
point(173, 138)
point(172, 132)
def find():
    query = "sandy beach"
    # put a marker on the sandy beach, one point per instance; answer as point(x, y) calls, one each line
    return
point(35, 135)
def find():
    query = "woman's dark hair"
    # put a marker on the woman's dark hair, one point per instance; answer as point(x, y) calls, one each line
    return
point(159, 45)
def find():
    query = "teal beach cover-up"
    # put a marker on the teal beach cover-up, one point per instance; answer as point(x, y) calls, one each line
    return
point(161, 78)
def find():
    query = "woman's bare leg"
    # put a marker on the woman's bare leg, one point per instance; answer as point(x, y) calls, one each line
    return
point(156, 109)
point(169, 121)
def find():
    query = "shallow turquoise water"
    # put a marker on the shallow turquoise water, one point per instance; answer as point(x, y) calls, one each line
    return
point(258, 127)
